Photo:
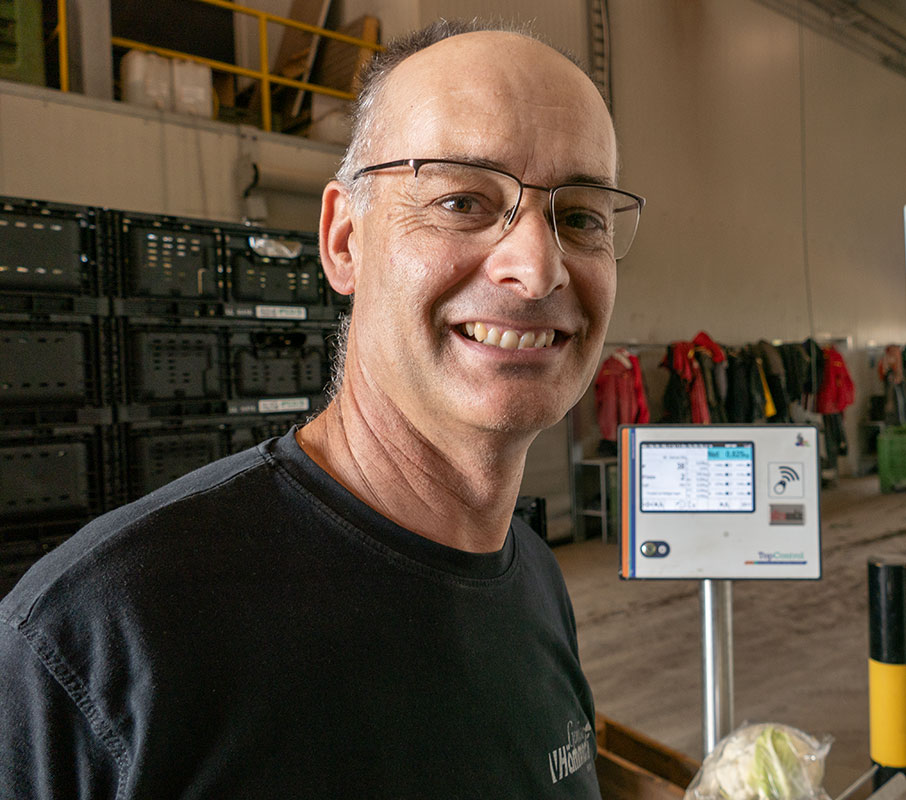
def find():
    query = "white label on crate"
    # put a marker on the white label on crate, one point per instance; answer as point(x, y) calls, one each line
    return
point(283, 404)
point(281, 312)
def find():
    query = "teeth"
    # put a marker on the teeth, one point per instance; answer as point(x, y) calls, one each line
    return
point(508, 339)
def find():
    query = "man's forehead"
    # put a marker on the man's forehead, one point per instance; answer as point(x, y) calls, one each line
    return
point(496, 95)
point(496, 45)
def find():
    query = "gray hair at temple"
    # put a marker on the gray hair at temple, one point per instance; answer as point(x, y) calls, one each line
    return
point(366, 108)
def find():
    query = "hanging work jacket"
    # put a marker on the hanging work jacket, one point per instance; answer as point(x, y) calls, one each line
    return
point(837, 390)
point(620, 394)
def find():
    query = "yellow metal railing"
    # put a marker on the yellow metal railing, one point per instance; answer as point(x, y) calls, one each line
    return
point(63, 44)
point(262, 74)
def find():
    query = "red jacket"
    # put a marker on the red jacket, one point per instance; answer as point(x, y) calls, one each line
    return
point(837, 390)
point(707, 343)
point(620, 394)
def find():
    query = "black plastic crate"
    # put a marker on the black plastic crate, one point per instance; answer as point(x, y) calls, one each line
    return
point(157, 456)
point(52, 477)
point(167, 266)
point(44, 480)
point(54, 373)
point(278, 363)
point(274, 275)
point(166, 364)
point(18, 554)
point(48, 248)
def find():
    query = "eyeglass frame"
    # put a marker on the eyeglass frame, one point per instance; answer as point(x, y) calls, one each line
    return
point(417, 163)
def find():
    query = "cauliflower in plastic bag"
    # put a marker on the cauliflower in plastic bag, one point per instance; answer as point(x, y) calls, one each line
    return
point(763, 762)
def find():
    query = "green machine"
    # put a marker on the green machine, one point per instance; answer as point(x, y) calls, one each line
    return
point(21, 41)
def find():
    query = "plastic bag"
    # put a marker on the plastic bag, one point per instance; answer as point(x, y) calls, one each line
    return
point(766, 761)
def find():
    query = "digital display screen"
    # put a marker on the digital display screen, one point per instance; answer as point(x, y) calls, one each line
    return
point(697, 476)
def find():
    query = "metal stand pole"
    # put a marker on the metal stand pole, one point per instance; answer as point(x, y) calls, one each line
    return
point(717, 661)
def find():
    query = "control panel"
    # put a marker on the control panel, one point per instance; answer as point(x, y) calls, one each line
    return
point(719, 501)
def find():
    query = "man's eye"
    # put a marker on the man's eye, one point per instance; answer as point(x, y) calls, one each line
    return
point(461, 204)
point(583, 220)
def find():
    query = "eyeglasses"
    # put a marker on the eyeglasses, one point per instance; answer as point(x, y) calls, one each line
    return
point(460, 198)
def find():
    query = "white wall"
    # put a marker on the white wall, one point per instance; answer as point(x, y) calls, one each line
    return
point(73, 149)
point(773, 161)
point(741, 155)
point(396, 16)
point(564, 23)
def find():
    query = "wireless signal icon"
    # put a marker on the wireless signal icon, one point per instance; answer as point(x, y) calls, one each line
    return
point(787, 476)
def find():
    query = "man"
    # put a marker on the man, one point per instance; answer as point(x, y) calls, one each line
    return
point(350, 610)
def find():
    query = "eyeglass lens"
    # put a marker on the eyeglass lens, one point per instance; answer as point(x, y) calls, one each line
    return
point(468, 199)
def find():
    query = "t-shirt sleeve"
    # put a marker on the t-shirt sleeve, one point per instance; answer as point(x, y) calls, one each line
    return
point(47, 748)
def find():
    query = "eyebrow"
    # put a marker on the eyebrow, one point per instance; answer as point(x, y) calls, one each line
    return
point(581, 177)
point(576, 177)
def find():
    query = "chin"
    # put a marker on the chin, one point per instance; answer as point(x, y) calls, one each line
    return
point(526, 420)
point(517, 408)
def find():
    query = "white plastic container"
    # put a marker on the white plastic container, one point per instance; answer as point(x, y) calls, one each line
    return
point(193, 91)
point(147, 80)
point(329, 120)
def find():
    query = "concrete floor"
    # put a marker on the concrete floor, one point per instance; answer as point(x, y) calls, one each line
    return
point(800, 647)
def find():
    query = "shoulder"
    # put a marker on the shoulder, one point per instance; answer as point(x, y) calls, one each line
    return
point(115, 543)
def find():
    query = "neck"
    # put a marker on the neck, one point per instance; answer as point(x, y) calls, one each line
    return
point(455, 488)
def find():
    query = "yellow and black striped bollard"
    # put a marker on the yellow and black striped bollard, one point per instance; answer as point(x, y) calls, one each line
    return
point(887, 665)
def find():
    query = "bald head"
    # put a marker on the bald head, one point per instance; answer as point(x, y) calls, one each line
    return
point(448, 60)
point(496, 75)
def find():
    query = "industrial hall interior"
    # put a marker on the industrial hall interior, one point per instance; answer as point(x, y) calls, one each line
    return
point(163, 305)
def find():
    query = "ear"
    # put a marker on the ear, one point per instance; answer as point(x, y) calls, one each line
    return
point(337, 238)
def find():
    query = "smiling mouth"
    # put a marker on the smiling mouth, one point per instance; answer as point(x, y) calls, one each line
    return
point(507, 339)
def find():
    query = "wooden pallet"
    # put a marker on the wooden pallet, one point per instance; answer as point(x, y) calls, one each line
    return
point(632, 766)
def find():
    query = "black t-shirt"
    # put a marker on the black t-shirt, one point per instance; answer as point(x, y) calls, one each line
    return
point(253, 630)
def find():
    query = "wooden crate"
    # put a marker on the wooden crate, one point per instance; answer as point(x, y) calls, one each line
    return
point(631, 766)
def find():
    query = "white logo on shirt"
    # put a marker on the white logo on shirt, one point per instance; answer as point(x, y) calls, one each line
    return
point(578, 752)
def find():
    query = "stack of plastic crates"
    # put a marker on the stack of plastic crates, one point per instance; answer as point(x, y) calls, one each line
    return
point(135, 348)
point(892, 458)
point(55, 390)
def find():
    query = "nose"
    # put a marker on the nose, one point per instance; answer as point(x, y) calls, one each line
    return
point(527, 259)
